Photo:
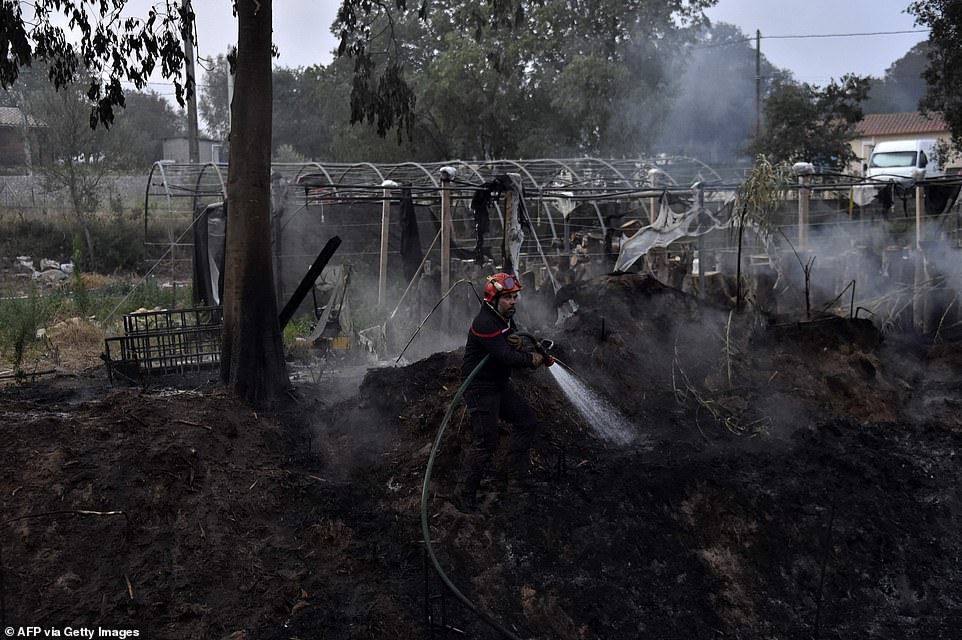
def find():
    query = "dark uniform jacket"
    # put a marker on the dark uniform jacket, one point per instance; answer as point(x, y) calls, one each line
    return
point(488, 335)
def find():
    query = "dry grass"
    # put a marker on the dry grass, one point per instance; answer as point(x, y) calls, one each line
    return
point(72, 345)
point(96, 280)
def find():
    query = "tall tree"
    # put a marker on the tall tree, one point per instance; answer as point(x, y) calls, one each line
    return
point(136, 139)
point(902, 87)
point(609, 66)
point(213, 102)
point(298, 123)
point(525, 77)
point(805, 123)
point(115, 49)
point(252, 358)
point(74, 157)
point(943, 74)
point(112, 48)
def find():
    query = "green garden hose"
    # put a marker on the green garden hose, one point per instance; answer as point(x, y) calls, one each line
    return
point(426, 531)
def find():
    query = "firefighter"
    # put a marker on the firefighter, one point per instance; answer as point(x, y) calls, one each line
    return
point(490, 395)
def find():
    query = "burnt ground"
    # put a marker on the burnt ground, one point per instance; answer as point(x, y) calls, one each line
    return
point(785, 479)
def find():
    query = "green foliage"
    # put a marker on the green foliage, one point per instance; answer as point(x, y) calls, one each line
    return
point(756, 201)
point(902, 87)
point(804, 123)
point(39, 236)
point(943, 73)
point(518, 78)
point(20, 317)
point(119, 238)
point(212, 101)
point(380, 93)
point(287, 153)
point(136, 139)
point(759, 196)
point(112, 300)
point(297, 328)
point(113, 48)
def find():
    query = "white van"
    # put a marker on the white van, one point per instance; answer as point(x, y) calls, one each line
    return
point(904, 159)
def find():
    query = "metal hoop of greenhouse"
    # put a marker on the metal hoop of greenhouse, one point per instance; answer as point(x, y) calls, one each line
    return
point(669, 216)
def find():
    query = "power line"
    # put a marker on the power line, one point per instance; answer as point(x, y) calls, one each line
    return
point(846, 35)
point(810, 35)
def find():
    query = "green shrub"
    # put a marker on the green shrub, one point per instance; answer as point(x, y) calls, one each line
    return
point(42, 236)
point(119, 242)
point(299, 327)
point(20, 318)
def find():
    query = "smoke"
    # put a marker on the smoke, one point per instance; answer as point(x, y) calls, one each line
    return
point(868, 265)
point(712, 115)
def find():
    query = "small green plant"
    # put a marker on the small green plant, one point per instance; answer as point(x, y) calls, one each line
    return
point(296, 328)
point(756, 201)
point(19, 320)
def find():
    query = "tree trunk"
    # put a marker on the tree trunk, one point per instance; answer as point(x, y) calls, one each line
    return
point(78, 210)
point(252, 357)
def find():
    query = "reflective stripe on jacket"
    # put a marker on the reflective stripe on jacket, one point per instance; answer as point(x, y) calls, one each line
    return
point(488, 335)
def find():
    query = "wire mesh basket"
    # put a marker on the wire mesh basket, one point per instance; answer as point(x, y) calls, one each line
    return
point(164, 342)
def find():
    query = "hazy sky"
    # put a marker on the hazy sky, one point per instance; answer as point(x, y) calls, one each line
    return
point(816, 60)
point(302, 32)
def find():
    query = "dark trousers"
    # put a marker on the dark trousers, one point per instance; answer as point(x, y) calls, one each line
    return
point(486, 406)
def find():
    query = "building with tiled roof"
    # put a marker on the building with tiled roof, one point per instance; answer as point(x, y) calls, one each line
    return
point(10, 117)
point(12, 149)
point(906, 123)
point(909, 125)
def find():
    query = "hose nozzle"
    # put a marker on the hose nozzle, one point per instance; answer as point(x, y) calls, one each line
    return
point(541, 346)
point(544, 346)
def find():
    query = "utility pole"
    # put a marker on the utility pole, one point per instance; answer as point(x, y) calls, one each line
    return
point(758, 83)
point(193, 145)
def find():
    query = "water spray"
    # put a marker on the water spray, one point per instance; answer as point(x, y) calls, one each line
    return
point(601, 415)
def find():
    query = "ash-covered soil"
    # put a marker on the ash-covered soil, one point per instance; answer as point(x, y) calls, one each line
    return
point(781, 479)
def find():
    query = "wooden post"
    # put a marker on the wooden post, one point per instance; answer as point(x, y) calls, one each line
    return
point(700, 199)
point(445, 235)
point(385, 227)
point(445, 247)
point(920, 292)
point(506, 241)
point(919, 208)
point(922, 284)
point(804, 193)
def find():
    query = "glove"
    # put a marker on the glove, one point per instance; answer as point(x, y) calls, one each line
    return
point(515, 342)
point(536, 360)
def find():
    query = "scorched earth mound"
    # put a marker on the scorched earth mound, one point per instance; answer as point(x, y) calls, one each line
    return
point(781, 479)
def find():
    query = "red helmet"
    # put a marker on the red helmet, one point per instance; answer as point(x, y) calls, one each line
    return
point(500, 283)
